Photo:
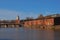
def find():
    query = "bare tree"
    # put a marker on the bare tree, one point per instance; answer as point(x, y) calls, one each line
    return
point(29, 18)
point(40, 16)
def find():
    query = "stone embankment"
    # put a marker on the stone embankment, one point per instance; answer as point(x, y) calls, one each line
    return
point(57, 27)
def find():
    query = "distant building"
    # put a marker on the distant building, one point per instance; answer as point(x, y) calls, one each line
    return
point(49, 20)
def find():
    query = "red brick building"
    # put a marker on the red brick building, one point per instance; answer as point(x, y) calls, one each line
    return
point(44, 21)
point(39, 22)
point(33, 22)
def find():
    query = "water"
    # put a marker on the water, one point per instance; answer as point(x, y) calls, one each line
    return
point(28, 34)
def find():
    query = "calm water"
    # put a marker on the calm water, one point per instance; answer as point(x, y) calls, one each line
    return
point(28, 34)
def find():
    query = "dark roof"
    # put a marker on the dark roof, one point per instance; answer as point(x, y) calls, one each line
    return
point(54, 15)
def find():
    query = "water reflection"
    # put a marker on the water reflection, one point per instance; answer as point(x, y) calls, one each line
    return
point(57, 35)
point(27, 34)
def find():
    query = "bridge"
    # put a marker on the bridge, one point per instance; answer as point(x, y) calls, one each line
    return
point(10, 23)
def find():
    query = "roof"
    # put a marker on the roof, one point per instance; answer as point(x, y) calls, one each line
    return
point(54, 15)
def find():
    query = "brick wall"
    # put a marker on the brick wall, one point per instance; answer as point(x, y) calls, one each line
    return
point(48, 21)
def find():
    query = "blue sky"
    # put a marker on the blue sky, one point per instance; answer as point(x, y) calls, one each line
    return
point(9, 9)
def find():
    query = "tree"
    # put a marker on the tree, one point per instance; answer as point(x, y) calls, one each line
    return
point(29, 18)
point(40, 16)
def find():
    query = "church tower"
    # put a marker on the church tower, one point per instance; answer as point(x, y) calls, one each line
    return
point(17, 20)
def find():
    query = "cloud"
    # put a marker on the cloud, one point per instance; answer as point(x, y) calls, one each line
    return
point(10, 14)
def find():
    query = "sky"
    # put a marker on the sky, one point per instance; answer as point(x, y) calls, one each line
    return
point(9, 9)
